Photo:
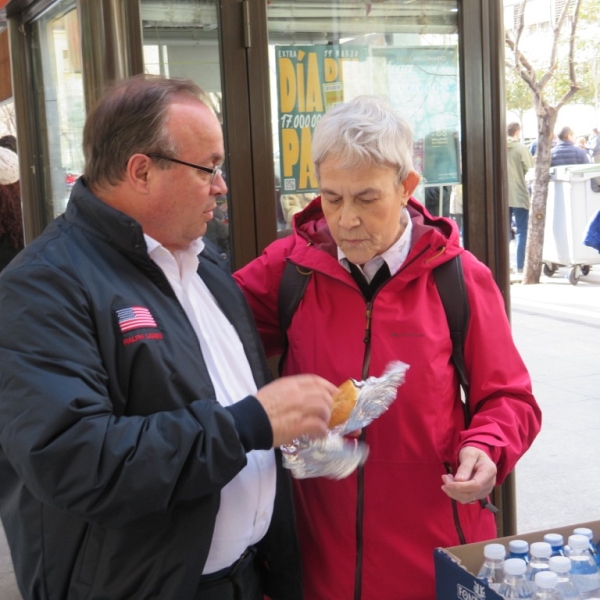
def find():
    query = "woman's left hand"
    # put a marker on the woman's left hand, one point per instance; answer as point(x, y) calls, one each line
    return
point(474, 479)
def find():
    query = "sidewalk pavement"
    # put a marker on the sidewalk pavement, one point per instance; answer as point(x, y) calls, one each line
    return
point(556, 327)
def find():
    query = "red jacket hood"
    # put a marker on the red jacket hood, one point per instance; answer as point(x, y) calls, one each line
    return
point(438, 237)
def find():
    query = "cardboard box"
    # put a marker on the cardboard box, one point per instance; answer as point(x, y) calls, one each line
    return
point(456, 567)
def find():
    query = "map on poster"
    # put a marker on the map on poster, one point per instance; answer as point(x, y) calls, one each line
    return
point(421, 83)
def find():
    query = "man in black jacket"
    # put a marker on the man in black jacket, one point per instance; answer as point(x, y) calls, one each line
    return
point(137, 421)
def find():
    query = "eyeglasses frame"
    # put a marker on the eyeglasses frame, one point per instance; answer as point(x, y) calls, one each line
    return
point(214, 172)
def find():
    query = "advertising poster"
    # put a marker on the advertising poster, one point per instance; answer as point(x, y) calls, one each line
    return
point(421, 82)
point(310, 81)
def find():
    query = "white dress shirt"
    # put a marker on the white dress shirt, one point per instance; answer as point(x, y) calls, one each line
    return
point(247, 500)
point(394, 256)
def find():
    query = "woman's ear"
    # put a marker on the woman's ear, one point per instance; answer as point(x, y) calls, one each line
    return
point(411, 181)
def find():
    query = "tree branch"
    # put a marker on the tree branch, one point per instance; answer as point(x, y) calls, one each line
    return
point(574, 21)
point(522, 65)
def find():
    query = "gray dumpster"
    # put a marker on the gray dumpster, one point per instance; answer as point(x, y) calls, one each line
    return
point(573, 199)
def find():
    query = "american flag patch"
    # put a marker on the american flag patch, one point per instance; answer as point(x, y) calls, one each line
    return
point(135, 317)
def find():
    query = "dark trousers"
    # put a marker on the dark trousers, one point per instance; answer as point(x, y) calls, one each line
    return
point(238, 582)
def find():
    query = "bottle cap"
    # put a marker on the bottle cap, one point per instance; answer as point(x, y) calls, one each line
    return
point(584, 531)
point(579, 542)
point(546, 579)
point(554, 539)
point(560, 564)
point(520, 546)
point(494, 551)
point(541, 549)
point(515, 566)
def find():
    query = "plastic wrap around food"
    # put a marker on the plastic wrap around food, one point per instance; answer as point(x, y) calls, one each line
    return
point(334, 455)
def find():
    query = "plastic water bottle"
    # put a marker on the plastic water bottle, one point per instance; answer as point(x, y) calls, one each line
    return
point(556, 542)
point(561, 565)
point(518, 549)
point(545, 586)
point(584, 570)
point(539, 559)
point(515, 584)
point(492, 569)
point(590, 535)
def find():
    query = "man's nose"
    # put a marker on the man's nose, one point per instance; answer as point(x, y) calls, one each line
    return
point(219, 185)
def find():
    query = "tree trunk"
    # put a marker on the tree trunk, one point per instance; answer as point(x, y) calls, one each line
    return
point(546, 120)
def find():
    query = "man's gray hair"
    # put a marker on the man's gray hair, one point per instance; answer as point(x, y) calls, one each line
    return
point(365, 130)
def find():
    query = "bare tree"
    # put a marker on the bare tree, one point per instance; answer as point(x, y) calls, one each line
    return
point(546, 114)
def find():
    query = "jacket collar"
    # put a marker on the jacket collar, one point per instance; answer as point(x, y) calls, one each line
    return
point(89, 212)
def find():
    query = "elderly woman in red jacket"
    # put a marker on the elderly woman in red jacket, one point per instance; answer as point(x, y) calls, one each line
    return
point(372, 299)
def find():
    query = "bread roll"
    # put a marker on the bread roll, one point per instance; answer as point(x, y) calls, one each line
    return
point(343, 403)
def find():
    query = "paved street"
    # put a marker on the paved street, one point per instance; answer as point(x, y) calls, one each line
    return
point(557, 329)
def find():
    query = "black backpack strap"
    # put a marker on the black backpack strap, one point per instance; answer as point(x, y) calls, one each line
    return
point(450, 282)
point(291, 289)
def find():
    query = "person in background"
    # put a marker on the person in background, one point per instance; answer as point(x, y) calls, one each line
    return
point(217, 231)
point(372, 299)
point(582, 143)
point(593, 145)
point(534, 144)
point(566, 152)
point(519, 202)
point(11, 214)
point(137, 421)
point(9, 141)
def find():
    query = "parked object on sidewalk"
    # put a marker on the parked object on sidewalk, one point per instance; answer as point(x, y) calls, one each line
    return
point(572, 200)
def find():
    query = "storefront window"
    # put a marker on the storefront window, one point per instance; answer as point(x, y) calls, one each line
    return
point(323, 53)
point(59, 43)
point(181, 39)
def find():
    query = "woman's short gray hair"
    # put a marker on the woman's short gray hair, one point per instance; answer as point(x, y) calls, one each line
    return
point(364, 130)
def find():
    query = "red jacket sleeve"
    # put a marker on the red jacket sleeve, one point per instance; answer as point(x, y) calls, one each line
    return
point(259, 280)
point(505, 416)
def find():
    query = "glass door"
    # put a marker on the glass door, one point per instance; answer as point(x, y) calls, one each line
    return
point(323, 53)
point(181, 39)
point(61, 106)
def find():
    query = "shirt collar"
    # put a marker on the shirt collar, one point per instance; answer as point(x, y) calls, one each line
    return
point(194, 248)
point(394, 256)
point(186, 260)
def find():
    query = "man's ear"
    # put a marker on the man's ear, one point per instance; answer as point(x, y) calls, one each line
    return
point(138, 170)
point(410, 183)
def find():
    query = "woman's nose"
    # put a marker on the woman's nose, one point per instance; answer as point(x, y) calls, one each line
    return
point(348, 216)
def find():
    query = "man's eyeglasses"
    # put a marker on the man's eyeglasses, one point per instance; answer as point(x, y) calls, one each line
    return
point(214, 173)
